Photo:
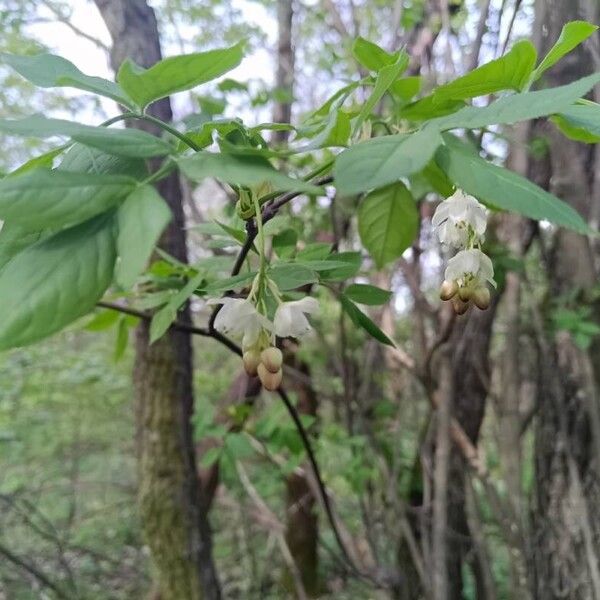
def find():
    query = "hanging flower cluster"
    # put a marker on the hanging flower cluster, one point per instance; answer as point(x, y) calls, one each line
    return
point(242, 318)
point(246, 318)
point(460, 222)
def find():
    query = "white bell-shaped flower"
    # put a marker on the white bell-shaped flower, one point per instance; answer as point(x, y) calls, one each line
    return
point(290, 317)
point(470, 268)
point(239, 317)
point(459, 218)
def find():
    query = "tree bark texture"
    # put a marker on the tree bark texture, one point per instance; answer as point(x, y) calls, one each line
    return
point(566, 519)
point(175, 526)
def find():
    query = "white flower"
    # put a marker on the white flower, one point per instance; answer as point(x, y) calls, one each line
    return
point(458, 217)
point(239, 317)
point(290, 319)
point(470, 267)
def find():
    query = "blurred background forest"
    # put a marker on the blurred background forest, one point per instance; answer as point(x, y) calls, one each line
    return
point(494, 496)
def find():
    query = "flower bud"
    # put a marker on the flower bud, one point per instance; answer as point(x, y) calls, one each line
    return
point(251, 359)
point(448, 289)
point(465, 293)
point(270, 381)
point(460, 307)
point(481, 297)
point(272, 359)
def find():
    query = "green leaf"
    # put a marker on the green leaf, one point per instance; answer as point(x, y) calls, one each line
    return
point(13, 239)
point(162, 320)
point(48, 70)
point(503, 188)
point(367, 294)
point(571, 36)
point(388, 222)
point(284, 243)
point(43, 161)
point(52, 283)
point(176, 74)
point(407, 87)
point(352, 263)
point(141, 219)
point(519, 107)
point(509, 72)
point(122, 142)
point(580, 122)
point(237, 282)
point(290, 276)
point(43, 199)
point(383, 160)
point(386, 76)
point(82, 159)
point(240, 170)
point(121, 339)
point(372, 56)
point(361, 320)
point(314, 251)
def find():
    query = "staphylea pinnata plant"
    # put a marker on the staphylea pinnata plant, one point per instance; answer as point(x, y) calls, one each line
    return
point(81, 222)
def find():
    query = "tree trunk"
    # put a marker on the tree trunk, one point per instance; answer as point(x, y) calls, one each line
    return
point(567, 529)
point(301, 533)
point(175, 527)
point(284, 75)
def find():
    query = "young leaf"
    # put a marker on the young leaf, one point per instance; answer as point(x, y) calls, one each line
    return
point(176, 74)
point(284, 243)
point(519, 107)
point(571, 36)
point(59, 279)
point(290, 276)
point(388, 222)
point(48, 70)
point(503, 188)
point(361, 320)
point(372, 56)
point(351, 260)
point(140, 219)
point(240, 170)
point(383, 160)
point(584, 116)
point(162, 320)
point(509, 72)
point(122, 142)
point(386, 76)
point(367, 294)
point(43, 199)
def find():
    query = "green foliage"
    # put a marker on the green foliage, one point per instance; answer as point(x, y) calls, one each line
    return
point(48, 70)
point(176, 74)
point(360, 319)
point(141, 219)
point(509, 72)
point(504, 189)
point(388, 222)
point(53, 282)
point(240, 170)
point(367, 294)
point(43, 199)
point(571, 36)
point(120, 142)
point(383, 160)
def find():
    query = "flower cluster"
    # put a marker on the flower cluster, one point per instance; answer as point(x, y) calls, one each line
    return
point(460, 222)
point(241, 318)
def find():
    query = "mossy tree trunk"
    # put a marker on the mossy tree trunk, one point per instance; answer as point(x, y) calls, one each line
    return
point(171, 511)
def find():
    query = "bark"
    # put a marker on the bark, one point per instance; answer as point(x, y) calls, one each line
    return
point(302, 532)
point(175, 526)
point(567, 532)
point(284, 76)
